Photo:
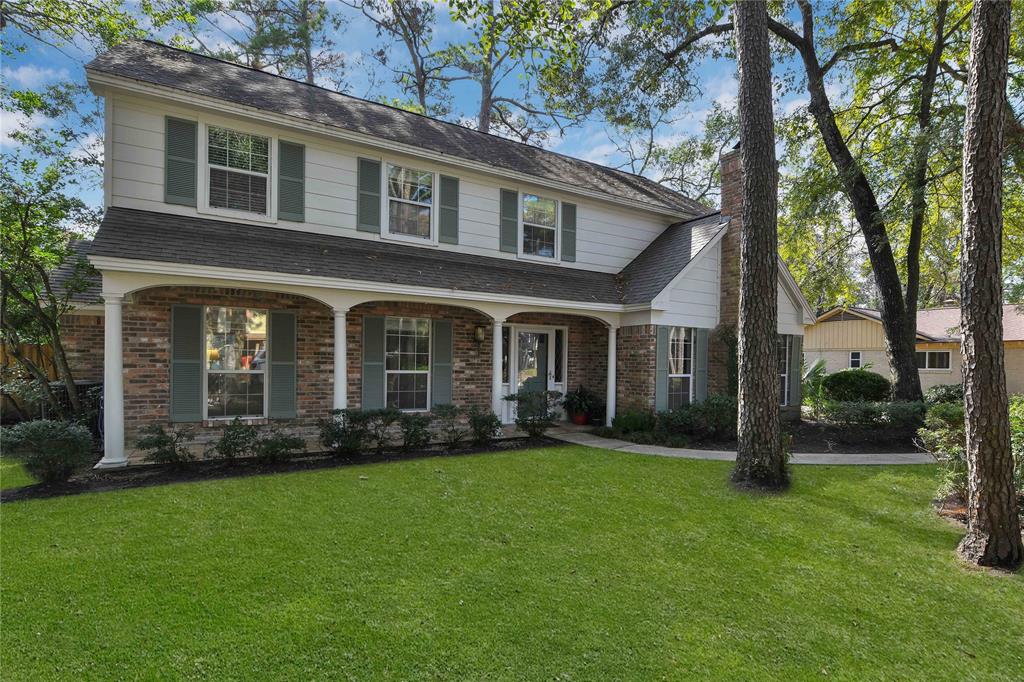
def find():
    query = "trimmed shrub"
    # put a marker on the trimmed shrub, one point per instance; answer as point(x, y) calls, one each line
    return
point(711, 419)
point(163, 447)
point(345, 432)
point(415, 431)
point(633, 421)
point(535, 411)
point(448, 419)
point(943, 437)
point(484, 426)
point(905, 415)
point(944, 393)
point(1017, 441)
point(856, 385)
point(51, 450)
point(379, 423)
point(276, 446)
point(237, 440)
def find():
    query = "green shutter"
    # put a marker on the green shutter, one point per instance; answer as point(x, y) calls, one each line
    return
point(180, 140)
point(368, 204)
point(448, 211)
point(700, 364)
point(569, 232)
point(291, 181)
point(281, 379)
point(186, 363)
point(796, 361)
point(509, 221)
point(373, 363)
point(661, 369)
point(441, 363)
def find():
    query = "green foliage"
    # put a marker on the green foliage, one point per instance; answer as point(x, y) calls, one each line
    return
point(944, 393)
point(813, 394)
point(711, 419)
point(345, 432)
point(581, 400)
point(237, 440)
point(1017, 441)
point(51, 450)
point(450, 423)
point(943, 436)
point(415, 428)
point(900, 415)
point(379, 423)
point(633, 421)
point(535, 411)
point(484, 426)
point(275, 446)
point(163, 447)
point(855, 385)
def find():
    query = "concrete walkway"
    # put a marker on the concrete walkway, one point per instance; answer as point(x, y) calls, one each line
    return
point(570, 435)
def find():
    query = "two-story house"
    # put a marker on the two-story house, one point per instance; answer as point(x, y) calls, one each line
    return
point(272, 250)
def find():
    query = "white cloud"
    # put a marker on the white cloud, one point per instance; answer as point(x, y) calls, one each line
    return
point(32, 76)
point(13, 121)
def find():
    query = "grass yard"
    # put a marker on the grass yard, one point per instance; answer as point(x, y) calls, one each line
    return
point(561, 563)
point(13, 474)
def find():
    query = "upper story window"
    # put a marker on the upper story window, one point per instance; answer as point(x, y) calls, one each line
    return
point(410, 201)
point(540, 223)
point(680, 367)
point(854, 359)
point(239, 170)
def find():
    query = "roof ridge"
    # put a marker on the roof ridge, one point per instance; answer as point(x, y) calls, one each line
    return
point(414, 113)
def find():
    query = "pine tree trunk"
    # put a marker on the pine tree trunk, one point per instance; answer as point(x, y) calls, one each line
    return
point(993, 527)
point(759, 461)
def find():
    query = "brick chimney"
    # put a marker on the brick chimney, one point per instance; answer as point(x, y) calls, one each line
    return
point(731, 172)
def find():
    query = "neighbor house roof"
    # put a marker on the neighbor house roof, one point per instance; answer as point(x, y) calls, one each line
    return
point(941, 324)
point(157, 64)
point(163, 237)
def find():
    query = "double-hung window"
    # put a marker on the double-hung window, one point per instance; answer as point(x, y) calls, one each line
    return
point(410, 201)
point(854, 359)
point(540, 226)
point(783, 350)
point(407, 362)
point(239, 171)
point(236, 362)
point(932, 359)
point(680, 367)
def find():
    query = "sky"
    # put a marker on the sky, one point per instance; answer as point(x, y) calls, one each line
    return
point(42, 65)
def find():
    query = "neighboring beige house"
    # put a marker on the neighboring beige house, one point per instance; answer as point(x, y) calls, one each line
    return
point(852, 337)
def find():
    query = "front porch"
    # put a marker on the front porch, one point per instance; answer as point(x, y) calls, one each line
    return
point(295, 353)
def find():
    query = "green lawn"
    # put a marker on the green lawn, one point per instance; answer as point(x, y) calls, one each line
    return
point(562, 563)
point(13, 474)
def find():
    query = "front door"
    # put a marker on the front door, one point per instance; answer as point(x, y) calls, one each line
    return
point(532, 360)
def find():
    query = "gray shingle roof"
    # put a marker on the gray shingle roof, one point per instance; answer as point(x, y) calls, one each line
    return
point(657, 265)
point(158, 64)
point(147, 235)
point(68, 269)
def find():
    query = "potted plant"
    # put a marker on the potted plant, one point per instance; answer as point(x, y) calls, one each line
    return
point(578, 404)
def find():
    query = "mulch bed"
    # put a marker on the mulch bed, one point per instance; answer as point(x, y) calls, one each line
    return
point(105, 480)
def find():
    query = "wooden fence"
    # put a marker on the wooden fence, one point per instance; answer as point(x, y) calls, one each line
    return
point(41, 355)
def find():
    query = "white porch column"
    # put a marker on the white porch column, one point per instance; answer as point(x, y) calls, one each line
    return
point(497, 404)
point(113, 385)
point(610, 398)
point(340, 361)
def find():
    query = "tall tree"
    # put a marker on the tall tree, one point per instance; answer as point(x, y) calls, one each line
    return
point(993, 527)
point(759, 460)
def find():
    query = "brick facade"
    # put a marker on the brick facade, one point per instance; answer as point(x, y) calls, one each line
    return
point(729, 302)
point(635, 365)
point(82, 337)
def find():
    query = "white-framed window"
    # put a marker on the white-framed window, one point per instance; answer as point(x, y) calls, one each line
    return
point(238, 170)
point(932, 359)
point(680, 367)
point(407, 363)
point(409, 203)
point(854, 359)
point(783, 351)
point(539, 230)
point(236, 362)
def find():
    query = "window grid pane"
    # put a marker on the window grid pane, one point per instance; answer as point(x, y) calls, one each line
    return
point(782, 359)
point(538, 241)
point(407, 362)
point(236, 359)
point(410, 219)
point(539, 210)
point(678, 392)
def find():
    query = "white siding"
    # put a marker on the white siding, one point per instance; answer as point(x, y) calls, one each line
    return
point(693, 299)
point(608, 237)
point(791, 317)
